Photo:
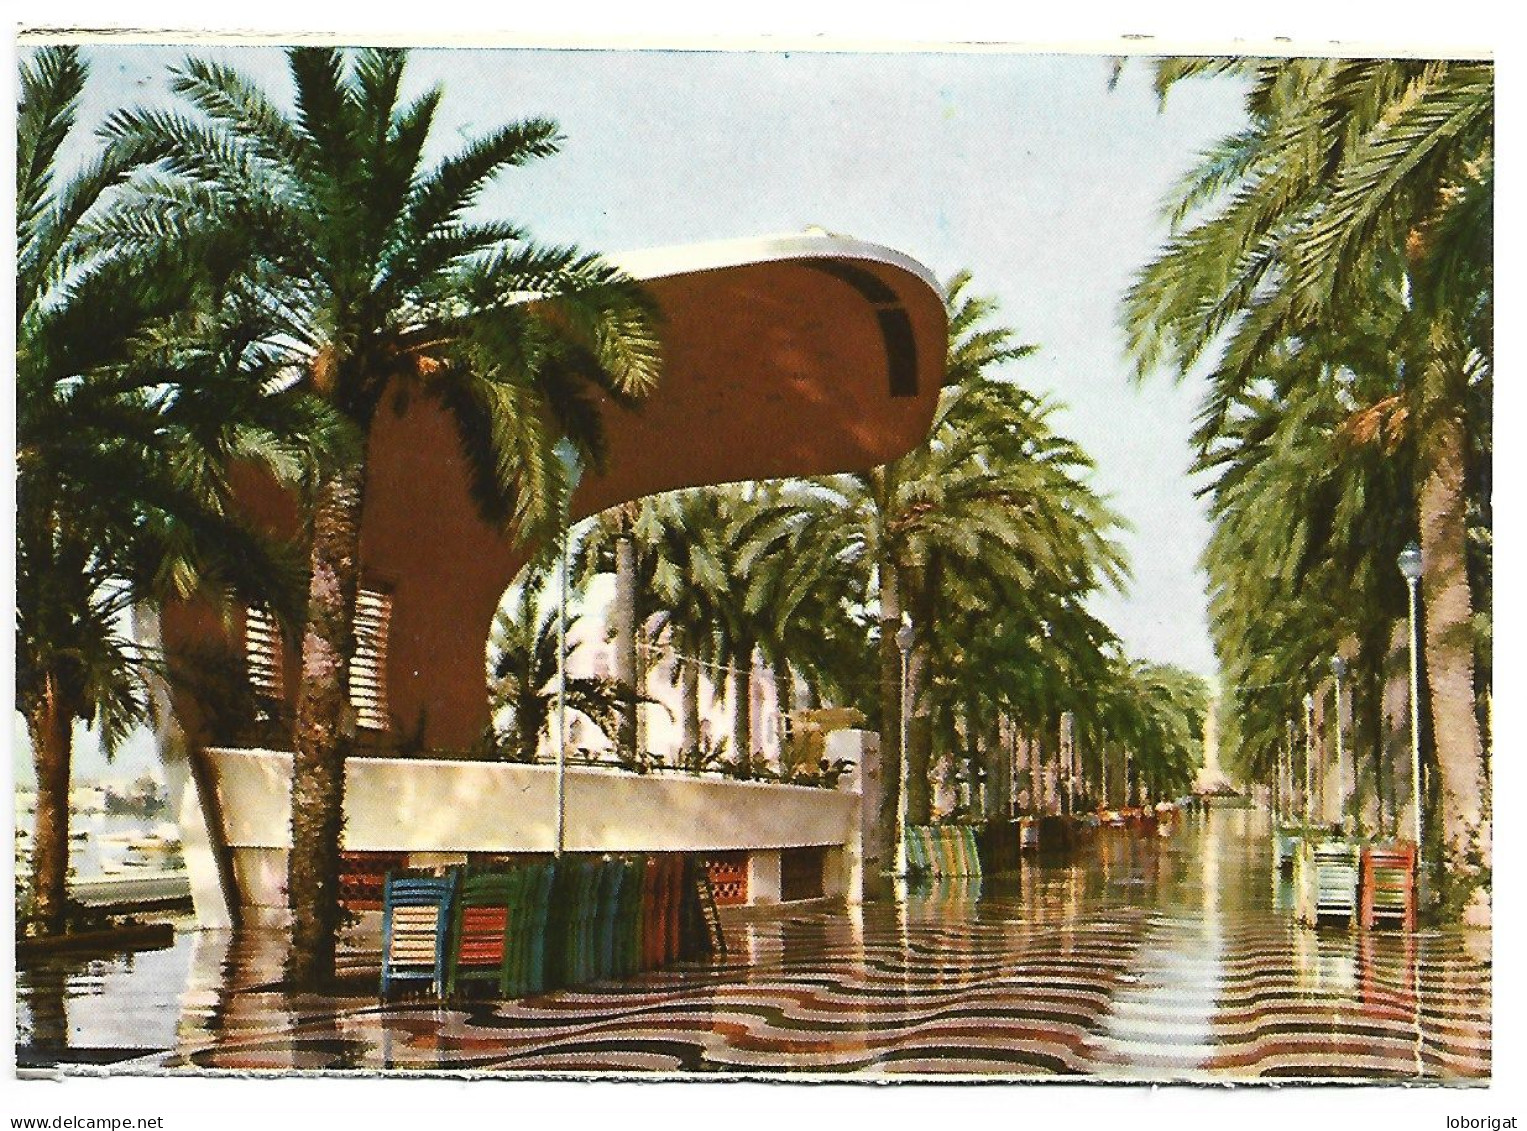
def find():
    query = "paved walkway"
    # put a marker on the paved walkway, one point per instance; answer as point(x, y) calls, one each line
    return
point(1143, 959)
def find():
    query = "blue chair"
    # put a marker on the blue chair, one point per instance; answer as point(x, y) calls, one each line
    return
point(416, 929)
point(612, 876)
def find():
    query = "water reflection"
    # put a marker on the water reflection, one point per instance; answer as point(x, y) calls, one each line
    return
point(100, 1009)
point(1133, 957)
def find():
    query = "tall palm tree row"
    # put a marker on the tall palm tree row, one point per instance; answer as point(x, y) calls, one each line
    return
point(138, 381)
point(375, 271)
point(1335, 257)
point(987, 535)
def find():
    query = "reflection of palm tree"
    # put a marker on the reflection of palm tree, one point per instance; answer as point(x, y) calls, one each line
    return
point(1315, 496)
point(373, 276)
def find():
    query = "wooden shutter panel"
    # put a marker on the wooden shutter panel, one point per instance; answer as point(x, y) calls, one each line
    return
point(368, 668)
point(263, 654)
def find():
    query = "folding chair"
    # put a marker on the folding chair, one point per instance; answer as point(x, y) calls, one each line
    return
point(416, 922)
point(1389, 885)
point(612, 876)
point(488, 906)
point(629, 920)
point(535, 926)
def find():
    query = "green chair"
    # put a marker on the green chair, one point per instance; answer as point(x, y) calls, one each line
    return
point(612, 880)
point(915, 839)
point(629, 918)
point(485, 907)
point(1326, 880)
point(563, 923)
point(531, 960)
point(676, 888)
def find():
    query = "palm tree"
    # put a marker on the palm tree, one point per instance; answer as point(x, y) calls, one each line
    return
point(378, 275)
point(523, 651)
point(995, 500)
point(1309, 503)
point(134, 390)
point(682, 537)
point(1348, 174)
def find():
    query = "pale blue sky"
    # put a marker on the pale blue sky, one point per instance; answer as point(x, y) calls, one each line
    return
point(1027, 169)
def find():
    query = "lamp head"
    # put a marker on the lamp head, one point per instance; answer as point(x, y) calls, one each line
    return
point(1410, 562)
point(1338, 667)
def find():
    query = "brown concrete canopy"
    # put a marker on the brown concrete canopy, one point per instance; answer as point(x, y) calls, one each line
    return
point(790, 355)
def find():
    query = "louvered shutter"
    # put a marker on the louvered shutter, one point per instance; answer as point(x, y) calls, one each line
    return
point(262, 655)
point(368, 668)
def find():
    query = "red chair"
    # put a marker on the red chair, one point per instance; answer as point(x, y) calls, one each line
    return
point(652, 912)
point(1389, 885)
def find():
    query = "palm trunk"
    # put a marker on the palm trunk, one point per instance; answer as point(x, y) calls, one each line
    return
point(784, 701)
point(1449, 650)
point(1368, 715)
point(625, 640)
point(325, 731)
point(880, 848)
point(919, 752)
point(742, 709)
point(530, 718)
point(51, 730)
point(689, 710)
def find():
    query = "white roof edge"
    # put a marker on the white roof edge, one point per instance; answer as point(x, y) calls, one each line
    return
point(682, 259)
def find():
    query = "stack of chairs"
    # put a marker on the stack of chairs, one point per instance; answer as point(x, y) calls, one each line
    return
point(612, 875)
point(525, 928)
point(1389, 885)
point(679, 898)
point(416, 928)
point(490, 906)
point(942, 850)
point(919, 862)
point(655, 877)
point(528, 973)
point(572, 910)
point(1326, 879)
point(629, 918)
point(968, 850)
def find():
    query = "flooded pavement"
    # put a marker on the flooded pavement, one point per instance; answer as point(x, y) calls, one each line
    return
point(1140, 958)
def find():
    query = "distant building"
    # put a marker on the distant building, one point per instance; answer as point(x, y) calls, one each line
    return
point(591, 653)
point(87, 799)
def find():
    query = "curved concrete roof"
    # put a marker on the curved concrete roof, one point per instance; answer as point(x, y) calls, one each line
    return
point(783, 355)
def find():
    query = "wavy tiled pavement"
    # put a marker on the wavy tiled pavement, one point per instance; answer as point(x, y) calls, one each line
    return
point(1140, 960)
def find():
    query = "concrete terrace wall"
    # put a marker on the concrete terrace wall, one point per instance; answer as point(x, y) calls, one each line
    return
point(441, 810)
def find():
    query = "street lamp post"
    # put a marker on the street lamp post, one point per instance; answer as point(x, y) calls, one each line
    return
point(1289, 794)
point(1309, 760)
point(572, 467)
point(904, 637)
point(1410, 567)
point(1339, 672)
